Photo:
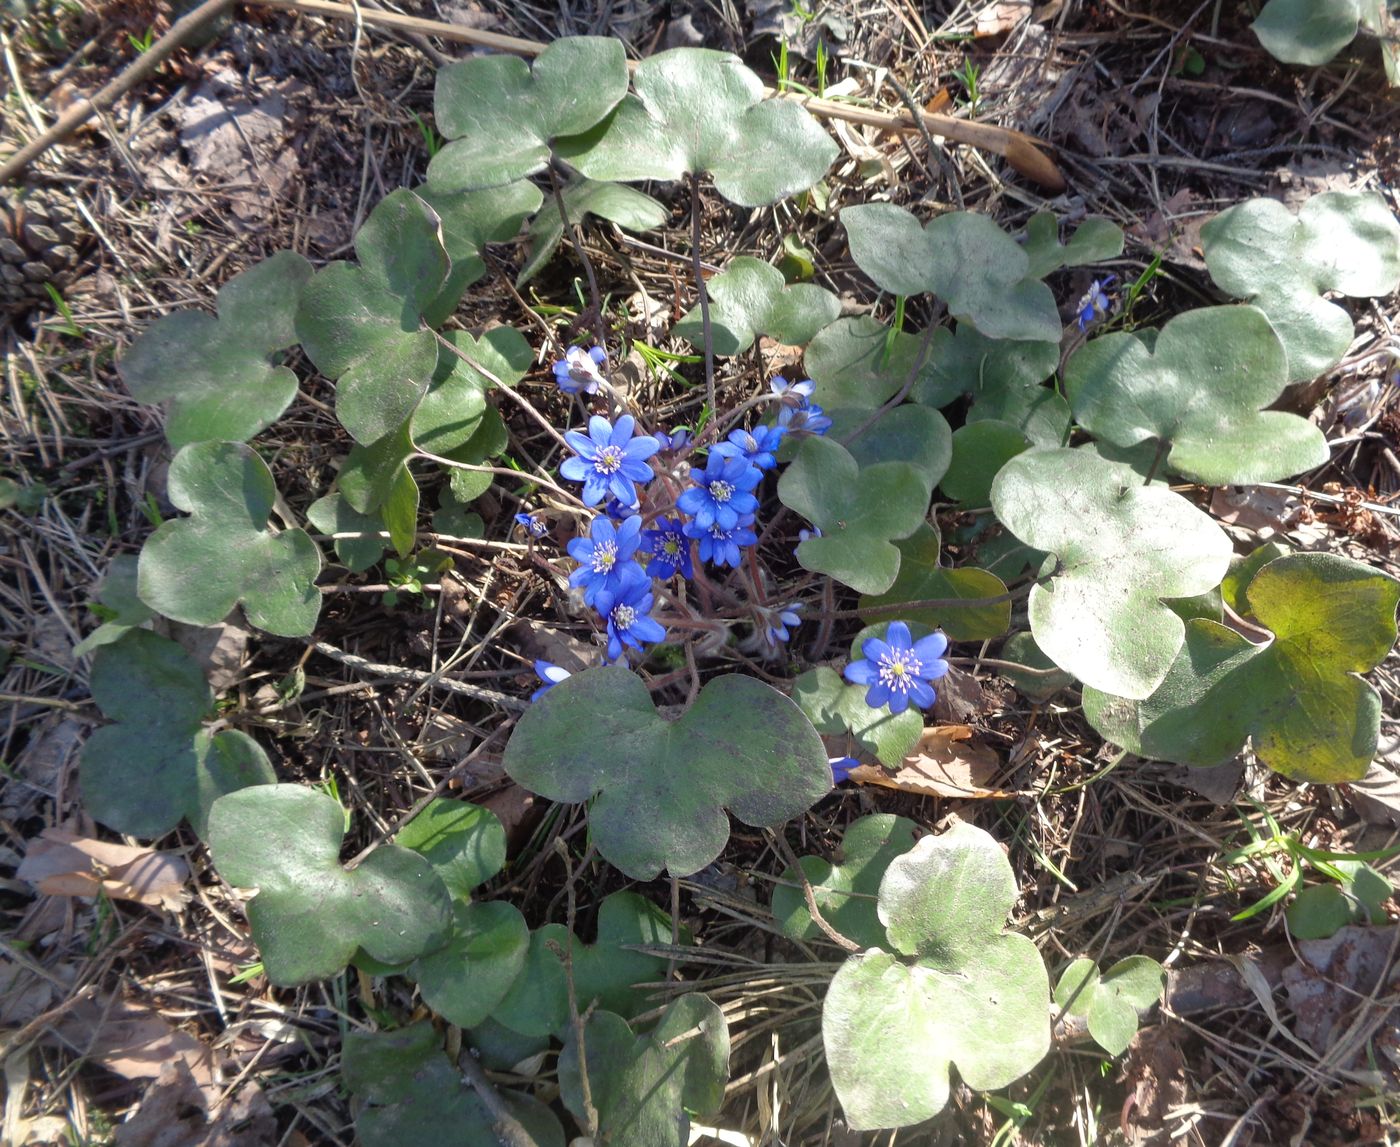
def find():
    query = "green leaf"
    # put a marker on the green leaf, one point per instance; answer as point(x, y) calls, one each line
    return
point(1308, 32)
point(310, 915)
point(626, 206)
point(858, 511)
point(1320, 911)
point(197, 569)
point(413, 1093)
point(1201, 390)
point(1242, 571)
point(660, 787)
point(221, 376)
point(1093, 241)
point(157, 763)
point(463, 842)
point(966, 362)
point(1297, 698)
point(956, 990)
point(453, 420)
point(921, 578)
point(644, 1088)
point(750, 298)
point(538, 1001)
point(1344, 241)
point(117, 595)
point(1110, 1002)
point(965, 259)
point(470, 220)
point(859, 363)
point(363, 325)
point(835, 707)
point(1021, 649)
point(697, 110)
point(465, 980)
point(906, 433)
point(980, 450)
point(1120, 548)
point(499, 112)
point(333, 514)
point(845, 891)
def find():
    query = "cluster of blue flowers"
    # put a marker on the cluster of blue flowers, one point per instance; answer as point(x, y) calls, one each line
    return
point(713, 517)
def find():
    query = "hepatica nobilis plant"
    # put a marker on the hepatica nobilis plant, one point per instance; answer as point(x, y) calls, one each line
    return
point(759, 586)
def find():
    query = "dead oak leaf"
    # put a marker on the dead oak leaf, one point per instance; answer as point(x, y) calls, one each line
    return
point(61, 863)
point(945, 762)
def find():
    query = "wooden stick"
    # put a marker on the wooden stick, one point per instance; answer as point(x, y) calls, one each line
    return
point(146, 63)
point(1020, 150)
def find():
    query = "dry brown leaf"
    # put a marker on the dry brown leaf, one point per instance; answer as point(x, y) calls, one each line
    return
point(1000, 17)
point(133, 1042)
point(175, 1113)
point(946, 762)
point(1345, 980)
point(60, 863)
point(1376, 796)
point(518, 811)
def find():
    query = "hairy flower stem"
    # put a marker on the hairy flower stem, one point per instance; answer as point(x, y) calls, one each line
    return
point(507, 1128)
point(577, 240)
point(709, 338)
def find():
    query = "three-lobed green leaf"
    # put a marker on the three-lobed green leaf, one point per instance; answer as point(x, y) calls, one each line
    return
point(952, 990)
point(659, 788)
point(969, 262)
point(157, 763)
point(1119, 549)
point(363, 326)
point(860, 512)
point(1198, 390)
point(1344, 241)
point(1296, 698)
point(750, 298)
point(499, 113)
point(310, 915)
point(696, 110)
point(643, 1087)
point(1110, 1002)
point(222, 377)
point(197, 569)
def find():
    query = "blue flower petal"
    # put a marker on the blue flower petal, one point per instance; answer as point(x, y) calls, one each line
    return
point(932, 647)
point(862, 672)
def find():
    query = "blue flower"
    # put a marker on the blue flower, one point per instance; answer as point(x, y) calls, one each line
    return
point(617, 511)
point(627, 613)
point(669, 549)
point(841, 768)
point(578, 370)
point(719, 546)
point(551, 675)
point(1096, 303)
point(792, 394)
point(807, 418)
point(722, 492)
point(533, 526)
point(777, 622)
point(897, 670)
point(804, 535)
point(757, 446)
point(609, 460)
point(604, 556)
point(678, 439)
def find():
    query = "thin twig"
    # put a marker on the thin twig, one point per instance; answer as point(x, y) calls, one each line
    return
point(590, 1113)
point(709, 336)
point(400, 673)
point(508, 1129)
point(810, 896)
